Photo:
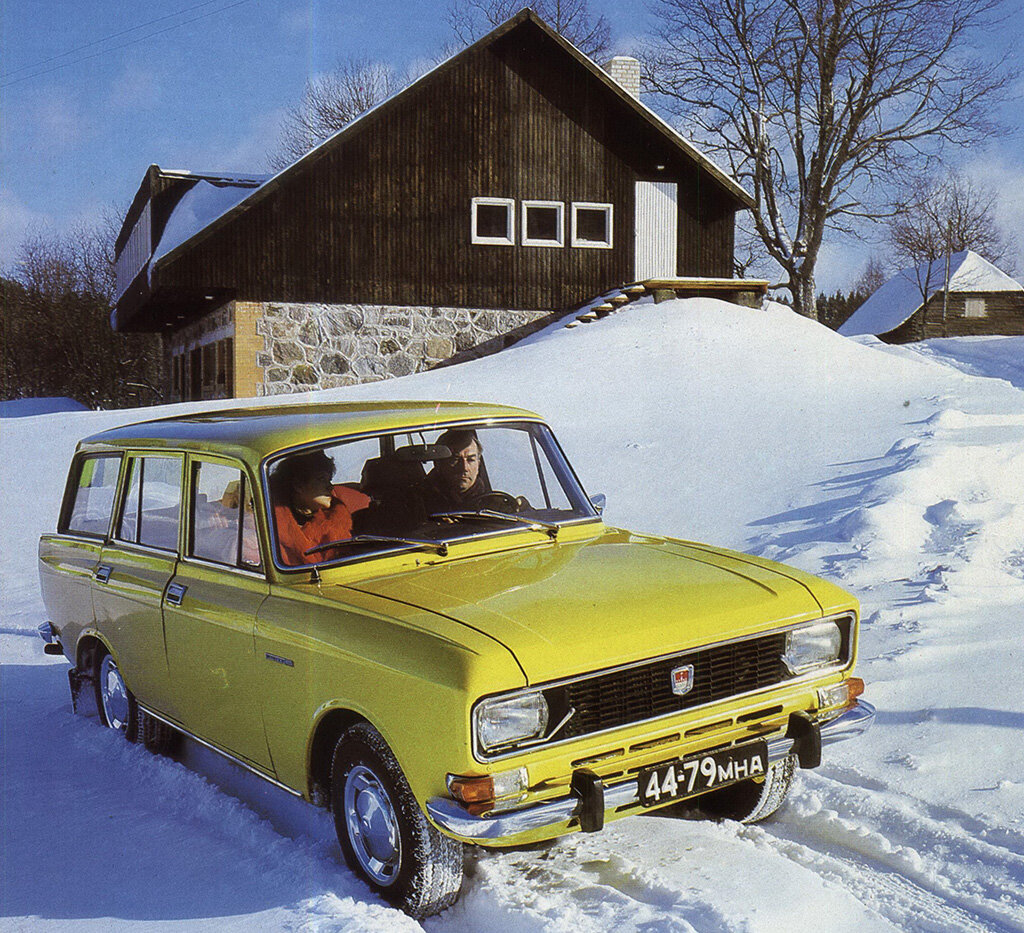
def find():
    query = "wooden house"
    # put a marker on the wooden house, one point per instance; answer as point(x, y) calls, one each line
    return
point(916, 303)
point(513, 182)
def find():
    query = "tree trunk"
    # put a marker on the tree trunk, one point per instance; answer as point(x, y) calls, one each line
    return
point(805, 300)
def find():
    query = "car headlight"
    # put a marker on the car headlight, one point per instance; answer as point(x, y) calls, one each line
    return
point(813, 646)
point(502, 721)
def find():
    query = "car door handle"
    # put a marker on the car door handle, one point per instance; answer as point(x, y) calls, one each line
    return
point(175, 593)
point(102, 573)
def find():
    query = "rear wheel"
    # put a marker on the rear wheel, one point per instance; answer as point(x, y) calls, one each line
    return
point(117, 705)
point(384, 835)
point(120, 711)
point(751, 801)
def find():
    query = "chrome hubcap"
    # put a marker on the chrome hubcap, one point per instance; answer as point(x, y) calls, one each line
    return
point(114, 694)
point(372, 825)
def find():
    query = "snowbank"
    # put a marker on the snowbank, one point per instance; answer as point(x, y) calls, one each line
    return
point(884, 468)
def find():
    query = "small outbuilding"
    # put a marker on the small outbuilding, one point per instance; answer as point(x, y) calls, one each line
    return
point(514, 182)
point(916, 303)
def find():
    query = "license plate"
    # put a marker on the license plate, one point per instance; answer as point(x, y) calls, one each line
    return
point(699, 773)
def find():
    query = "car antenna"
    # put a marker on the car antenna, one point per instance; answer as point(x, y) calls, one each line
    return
point(316, 575)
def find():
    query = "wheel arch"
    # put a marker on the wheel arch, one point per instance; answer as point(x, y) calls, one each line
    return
point(326, 732)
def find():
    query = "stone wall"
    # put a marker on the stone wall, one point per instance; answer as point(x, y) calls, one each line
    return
point(320, 346)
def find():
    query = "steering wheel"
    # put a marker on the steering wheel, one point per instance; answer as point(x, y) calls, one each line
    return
point(498, 502)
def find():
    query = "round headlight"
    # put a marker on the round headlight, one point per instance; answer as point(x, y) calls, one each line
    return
point(812, 646)
point(502, 721)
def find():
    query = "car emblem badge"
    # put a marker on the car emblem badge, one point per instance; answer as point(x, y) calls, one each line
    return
point(682, 679)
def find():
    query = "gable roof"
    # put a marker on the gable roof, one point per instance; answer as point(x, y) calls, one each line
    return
point(366, 119)
point(900, 298)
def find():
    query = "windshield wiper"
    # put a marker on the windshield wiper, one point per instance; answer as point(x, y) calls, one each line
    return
point(534, 524)
point(440, 546)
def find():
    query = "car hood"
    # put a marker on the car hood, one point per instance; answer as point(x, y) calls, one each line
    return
point(567, 608)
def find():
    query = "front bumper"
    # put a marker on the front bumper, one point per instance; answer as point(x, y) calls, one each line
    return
point(805, 743)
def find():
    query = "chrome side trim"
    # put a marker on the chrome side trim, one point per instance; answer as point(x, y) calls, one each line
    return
point(220, 751)
point(451, 817)
point(792, 681)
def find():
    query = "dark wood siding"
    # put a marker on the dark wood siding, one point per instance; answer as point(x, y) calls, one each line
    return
point(1004, 314)
point(383, 215)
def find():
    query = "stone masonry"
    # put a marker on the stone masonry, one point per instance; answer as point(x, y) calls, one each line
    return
point(321, 346)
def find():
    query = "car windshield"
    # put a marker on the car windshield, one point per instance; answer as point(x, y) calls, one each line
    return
point(349, 498)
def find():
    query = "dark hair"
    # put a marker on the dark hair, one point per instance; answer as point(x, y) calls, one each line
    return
point(295, 469)
point(459, 438)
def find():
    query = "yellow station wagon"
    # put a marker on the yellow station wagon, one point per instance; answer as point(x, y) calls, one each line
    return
point(411, 613)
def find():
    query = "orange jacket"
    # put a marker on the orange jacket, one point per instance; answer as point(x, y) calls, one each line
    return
point(333, 524)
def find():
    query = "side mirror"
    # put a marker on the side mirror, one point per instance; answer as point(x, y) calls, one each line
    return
point(599, 502)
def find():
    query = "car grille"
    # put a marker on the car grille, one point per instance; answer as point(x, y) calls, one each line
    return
point(617, 698)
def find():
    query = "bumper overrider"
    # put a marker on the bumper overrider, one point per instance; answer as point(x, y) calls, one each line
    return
point(589, 799)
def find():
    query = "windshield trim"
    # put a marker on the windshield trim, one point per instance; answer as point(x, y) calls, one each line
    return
point(391, 550)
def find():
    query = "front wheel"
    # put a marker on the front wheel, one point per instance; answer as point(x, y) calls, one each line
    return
point(751, 801)
point(384, 835)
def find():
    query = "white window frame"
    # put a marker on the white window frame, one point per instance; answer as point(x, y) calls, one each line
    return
point(975, 307)
point(560, 207)
point(592, 205)
point(510, 238)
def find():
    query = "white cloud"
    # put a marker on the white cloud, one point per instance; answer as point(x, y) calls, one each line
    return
point(16, 220)
point(55, 121)
point(1004, 174)
point(247, 153)
point(135, 87)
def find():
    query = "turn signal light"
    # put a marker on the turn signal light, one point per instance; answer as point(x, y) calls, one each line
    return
point(842, 694)
point(483, 792)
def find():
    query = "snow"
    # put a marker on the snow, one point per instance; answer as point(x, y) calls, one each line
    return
point(40, 405)
point(897, 300)
point(896, 471)
point(199, 207)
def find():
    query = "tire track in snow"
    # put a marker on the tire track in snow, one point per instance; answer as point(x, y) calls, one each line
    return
point(920, 872)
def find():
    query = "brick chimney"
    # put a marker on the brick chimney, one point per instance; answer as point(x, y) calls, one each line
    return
point(626, 71)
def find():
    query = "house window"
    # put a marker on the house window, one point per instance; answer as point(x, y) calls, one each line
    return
point(543, 223)
point(592, 225)
point(493, 221)
point(974, 307)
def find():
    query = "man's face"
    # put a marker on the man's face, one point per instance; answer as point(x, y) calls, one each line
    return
point(461, 469)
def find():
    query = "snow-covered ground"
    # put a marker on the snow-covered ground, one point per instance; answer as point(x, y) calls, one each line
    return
point(898, 472)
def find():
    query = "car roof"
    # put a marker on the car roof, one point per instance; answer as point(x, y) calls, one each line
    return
point(254, 433)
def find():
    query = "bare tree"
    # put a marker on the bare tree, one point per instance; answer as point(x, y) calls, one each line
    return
point(948, 215)
point(818, 105)
point(57, 338)
point(572, 19)
point(872, 278)
point(330, 102)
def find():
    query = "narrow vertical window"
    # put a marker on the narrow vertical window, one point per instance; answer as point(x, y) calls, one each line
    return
point(493, 221)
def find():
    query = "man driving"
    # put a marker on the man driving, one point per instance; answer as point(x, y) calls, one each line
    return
point(454, 483)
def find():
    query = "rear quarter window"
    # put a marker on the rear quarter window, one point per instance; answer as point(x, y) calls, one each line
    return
point(92, 495)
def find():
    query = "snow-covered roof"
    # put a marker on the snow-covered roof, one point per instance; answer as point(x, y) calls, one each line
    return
point(897, 300)
point(715, 170)
point(203, 203)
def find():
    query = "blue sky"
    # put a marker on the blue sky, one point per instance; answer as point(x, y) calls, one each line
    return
point(205, 89)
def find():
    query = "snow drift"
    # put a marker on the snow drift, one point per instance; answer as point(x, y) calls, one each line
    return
point(886, 469)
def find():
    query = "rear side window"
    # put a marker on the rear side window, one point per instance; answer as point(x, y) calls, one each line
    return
point(223, 519)
point(152, 506)
point(94, 496)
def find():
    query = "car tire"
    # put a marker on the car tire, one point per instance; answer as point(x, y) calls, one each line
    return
point(384, 835)
point(751, 801)
point(157, 736)
point(116, 703)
